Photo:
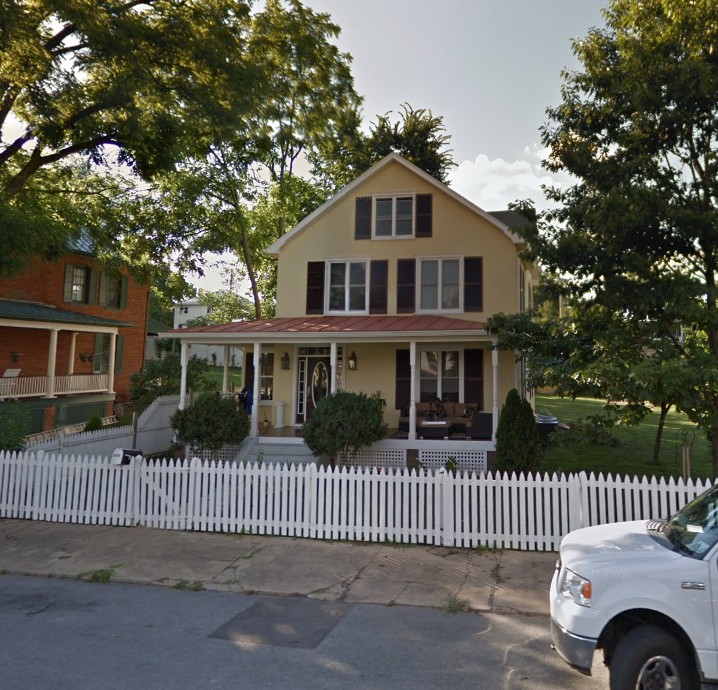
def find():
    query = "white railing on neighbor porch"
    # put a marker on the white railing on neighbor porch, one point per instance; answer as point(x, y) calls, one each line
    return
point(429, 507)
point(32, 386)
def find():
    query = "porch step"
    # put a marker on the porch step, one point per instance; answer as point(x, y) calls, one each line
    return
point(274, 450)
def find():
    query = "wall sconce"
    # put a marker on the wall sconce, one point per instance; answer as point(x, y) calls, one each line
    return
point(15, 356)
point(285, 361)
point(85, 356)
point(352, 361)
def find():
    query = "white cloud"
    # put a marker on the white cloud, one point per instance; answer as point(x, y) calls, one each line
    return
point(492, 183)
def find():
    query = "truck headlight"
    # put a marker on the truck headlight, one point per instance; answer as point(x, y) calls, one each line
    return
point(576, 587)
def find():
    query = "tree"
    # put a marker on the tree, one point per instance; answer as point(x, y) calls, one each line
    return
point(210, 422)
point(342, 424)
point(223, 306)
point(242, 193)
point(637, 233)
point(518, 447)
point(142, 83)
point(418, 135)
point(14, 425)
point(163, 377)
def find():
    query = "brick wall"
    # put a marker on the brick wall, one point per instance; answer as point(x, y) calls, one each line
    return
point(43, 282)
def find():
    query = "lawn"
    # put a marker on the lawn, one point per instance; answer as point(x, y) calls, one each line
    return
point(634, 452)
point(213, 378)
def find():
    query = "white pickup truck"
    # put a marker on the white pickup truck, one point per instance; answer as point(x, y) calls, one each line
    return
point(646, 594)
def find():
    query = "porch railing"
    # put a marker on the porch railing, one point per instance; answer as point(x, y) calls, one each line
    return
point(34, 386)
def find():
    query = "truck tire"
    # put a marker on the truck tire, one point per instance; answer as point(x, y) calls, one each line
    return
point(649, 657)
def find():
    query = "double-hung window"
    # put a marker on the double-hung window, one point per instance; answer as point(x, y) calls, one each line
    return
point(394, 216)
point(439, 284)
point(347, 282)
point(77, 284)
point(439, 375)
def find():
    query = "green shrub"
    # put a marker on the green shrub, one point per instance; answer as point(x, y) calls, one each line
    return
point(343, 423)
point(210, 422)
point(94, 423)
point(14, 425)
point(518, 446)
point(163, 377)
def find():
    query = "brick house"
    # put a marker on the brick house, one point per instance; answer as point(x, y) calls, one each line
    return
point(71, 334)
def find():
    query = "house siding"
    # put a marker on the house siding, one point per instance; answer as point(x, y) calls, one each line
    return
point(456, 231)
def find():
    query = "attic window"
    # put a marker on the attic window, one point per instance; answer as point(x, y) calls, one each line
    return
point(394, 216)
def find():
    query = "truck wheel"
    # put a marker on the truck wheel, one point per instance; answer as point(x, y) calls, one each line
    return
point(649, 658)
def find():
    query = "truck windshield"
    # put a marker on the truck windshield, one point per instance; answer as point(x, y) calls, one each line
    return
point(694, 528)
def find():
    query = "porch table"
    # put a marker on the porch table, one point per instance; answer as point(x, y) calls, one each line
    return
point(434, 428)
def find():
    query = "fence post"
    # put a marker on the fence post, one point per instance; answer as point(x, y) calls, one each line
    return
point(136, 484)
point(446, 488)
point(577, 501)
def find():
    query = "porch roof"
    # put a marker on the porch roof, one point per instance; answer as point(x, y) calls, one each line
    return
point(335, 327)
point(19, 311)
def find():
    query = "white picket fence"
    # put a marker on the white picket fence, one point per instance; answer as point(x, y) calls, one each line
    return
point(429, 507)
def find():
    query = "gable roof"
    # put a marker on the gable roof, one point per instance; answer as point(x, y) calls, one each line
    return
point(276, 246)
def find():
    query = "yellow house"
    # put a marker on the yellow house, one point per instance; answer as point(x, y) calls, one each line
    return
point(386, 289)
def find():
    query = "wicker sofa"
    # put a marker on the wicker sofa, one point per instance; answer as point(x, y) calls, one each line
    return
point(461, 418)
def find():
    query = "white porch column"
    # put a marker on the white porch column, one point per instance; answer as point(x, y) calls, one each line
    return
point(71, 355)
point(183, 378)
point(254, 421)
point(225, 369)
point(111, 363)
point(51, 357)
point(333, 367)
point(412, 390)
point(495, 387)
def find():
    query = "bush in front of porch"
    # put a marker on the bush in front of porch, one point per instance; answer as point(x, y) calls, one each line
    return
point(210, 422)
point(14, 425)
point(518, 447)
point(343, 423)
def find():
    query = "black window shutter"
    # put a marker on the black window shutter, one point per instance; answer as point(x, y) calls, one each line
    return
point(362, 220)
point(405, 285)
point(403, 380)
point(474, 377)
point(378, 277)
point(473, 283)
point(423, 215)
point(315, 287)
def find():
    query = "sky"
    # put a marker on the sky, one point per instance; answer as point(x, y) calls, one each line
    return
point(490, 68)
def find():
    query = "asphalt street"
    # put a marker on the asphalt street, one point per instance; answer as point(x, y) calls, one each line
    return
point(61, 634)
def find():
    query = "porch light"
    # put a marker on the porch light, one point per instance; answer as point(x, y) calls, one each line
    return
point(352, 362)
point(285, 361)
point(15, 356)
point(85, 356)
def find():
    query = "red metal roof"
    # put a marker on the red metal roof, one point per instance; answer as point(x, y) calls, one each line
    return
point(341, 324)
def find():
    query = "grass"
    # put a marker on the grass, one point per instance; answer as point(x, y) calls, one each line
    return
point(634, 452)
point(213, 378)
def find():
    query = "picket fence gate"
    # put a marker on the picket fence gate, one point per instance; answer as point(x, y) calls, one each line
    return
point(529, 512)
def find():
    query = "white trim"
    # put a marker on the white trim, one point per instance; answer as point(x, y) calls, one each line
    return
point(327, 282)
point(418, 285)
point(346, 191)
point(393, 196)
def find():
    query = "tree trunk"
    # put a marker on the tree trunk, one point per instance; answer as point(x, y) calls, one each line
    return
point(665, 407)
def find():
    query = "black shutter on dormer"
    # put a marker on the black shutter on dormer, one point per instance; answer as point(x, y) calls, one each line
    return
point(423, 215)
point(362, 219)
point(378, 279)
point(473, 283)
point(405, 285)
point(315, 287)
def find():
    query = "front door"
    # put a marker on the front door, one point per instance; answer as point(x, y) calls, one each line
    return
point(313, 385)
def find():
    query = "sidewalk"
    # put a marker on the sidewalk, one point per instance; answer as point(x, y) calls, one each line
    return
point(411, 575)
